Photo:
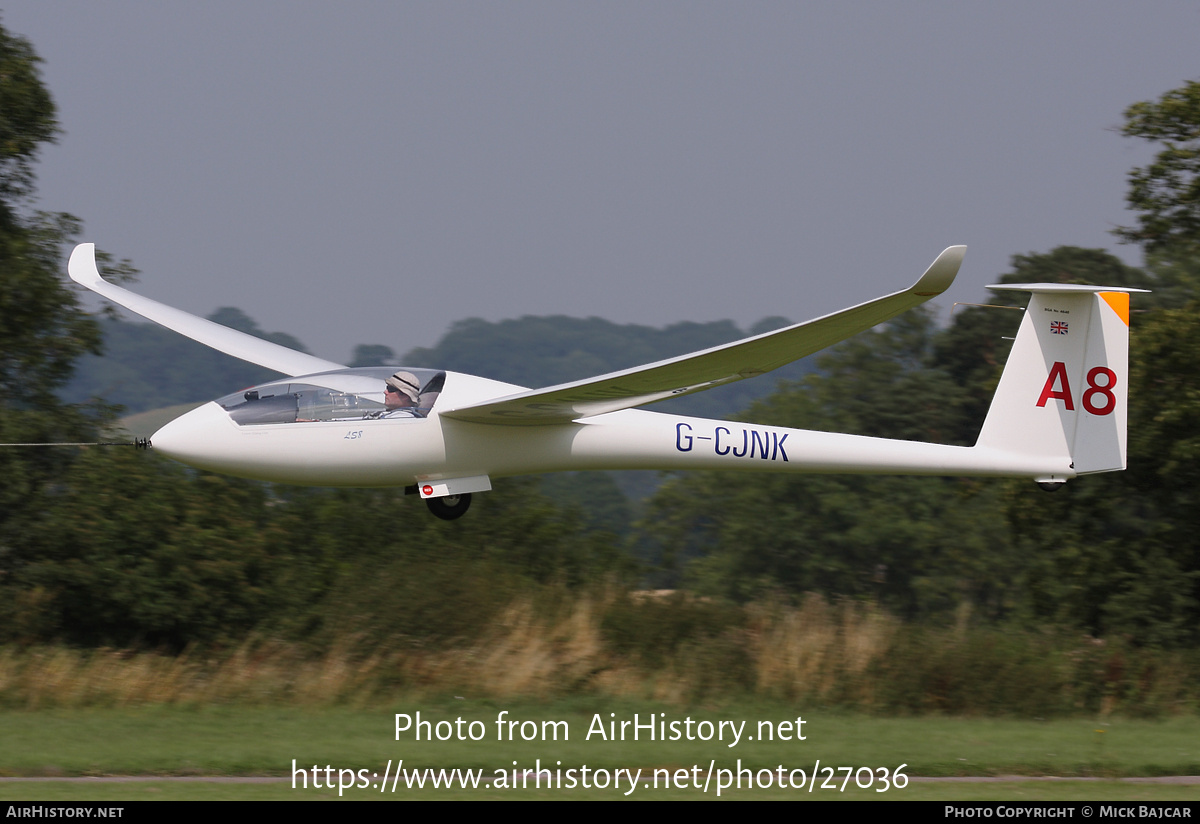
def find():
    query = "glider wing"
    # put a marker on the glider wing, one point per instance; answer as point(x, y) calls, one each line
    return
point(710, 367)
point(82, 268)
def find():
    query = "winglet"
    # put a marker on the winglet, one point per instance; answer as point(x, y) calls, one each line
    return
point(82, 266)
point(940, 274)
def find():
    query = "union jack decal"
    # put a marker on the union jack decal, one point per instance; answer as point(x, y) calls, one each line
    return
point(1058, 327)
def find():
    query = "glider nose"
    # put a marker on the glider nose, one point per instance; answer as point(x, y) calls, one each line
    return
point(195, 438)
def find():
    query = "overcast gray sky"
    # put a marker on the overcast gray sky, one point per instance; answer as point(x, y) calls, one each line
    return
point(372, 172)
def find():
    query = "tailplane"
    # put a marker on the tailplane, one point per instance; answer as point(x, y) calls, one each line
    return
point(1063, 391)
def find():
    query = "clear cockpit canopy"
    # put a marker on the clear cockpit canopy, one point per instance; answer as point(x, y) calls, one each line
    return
point(344, 395)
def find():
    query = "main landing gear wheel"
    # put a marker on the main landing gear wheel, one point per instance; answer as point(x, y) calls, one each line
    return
point(449, 507)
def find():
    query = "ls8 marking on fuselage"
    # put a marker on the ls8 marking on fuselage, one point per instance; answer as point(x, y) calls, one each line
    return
point(748, 443)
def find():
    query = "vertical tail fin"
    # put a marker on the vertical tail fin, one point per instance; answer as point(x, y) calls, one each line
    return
point(1063, 391)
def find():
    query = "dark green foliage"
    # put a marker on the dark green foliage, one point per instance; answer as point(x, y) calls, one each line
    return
point(145, 366)
point(990, 672)
point(373, 564)
point(596, 495)
point(43, 329)
point(1166, 193)
point(27, 117)
point(131, 549)
point(1176, 278)
point(1012, 670)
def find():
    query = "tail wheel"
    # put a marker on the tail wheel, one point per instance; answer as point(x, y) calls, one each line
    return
point(450, 507)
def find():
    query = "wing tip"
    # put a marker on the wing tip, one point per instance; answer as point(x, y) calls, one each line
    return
point(941, 273)
point(82, 265)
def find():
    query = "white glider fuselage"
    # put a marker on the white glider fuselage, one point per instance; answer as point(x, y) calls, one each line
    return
point(401, 452)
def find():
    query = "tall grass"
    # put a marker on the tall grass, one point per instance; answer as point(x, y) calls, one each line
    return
point(672, 648)
point(821, 652)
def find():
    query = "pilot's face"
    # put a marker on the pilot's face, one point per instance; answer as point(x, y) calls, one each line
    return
point(393, 398)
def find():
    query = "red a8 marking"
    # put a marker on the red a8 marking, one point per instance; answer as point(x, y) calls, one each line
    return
point(1057, 387)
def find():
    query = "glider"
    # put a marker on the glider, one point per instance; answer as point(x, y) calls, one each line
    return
point(1059, 411)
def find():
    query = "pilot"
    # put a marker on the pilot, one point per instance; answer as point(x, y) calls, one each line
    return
point(400, 397)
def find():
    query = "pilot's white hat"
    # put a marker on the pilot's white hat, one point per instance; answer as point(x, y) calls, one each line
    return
point(407, 383)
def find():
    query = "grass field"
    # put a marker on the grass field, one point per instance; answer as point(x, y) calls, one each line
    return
point(231, 741)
